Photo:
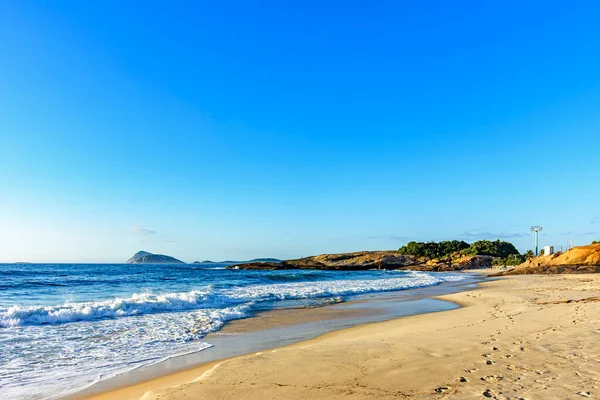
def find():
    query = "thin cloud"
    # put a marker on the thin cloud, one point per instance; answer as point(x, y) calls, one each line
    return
point(594, 220)
point(390, 237)
point(579, 233)
point(476, 235)
point(142, 231)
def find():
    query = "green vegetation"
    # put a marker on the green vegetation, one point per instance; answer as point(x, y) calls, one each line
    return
point(512, 260)
point(529, 254)
point(433, 249)
point(515, 259)
point(595, 241)
point(495, 248)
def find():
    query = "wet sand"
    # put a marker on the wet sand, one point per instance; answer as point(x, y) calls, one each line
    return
point(282, 327)
point(529, 337)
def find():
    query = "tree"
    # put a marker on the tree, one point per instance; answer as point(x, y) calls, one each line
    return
point(433, 249)
point(541, 252)
point(494, 248)
point(514, 259)
point(595, 241)
point(529, 254)
point(499, 262)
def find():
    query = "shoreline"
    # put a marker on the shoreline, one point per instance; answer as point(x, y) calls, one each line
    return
point(280, 328)
point(533, 337)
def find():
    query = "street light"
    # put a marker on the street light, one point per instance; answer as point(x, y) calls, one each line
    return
point(536, 229)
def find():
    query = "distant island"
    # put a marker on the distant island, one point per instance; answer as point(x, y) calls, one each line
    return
point(143, 257)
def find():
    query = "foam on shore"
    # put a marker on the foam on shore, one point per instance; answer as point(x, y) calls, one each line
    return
point(50, 351)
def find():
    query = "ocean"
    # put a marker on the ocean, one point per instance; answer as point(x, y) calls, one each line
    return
point(64, 327)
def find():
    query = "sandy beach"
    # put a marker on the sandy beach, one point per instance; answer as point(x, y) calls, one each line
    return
point(521, 337)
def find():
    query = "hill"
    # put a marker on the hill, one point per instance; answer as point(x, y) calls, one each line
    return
point(581, 259)
point(143, 257)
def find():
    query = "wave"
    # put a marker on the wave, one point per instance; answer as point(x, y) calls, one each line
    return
point(294, 276)
point(210, 298)
point(43, 347)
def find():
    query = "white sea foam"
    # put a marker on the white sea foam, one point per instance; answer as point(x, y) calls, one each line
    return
point(51, 357)
point(151, 303)
point(43, 348)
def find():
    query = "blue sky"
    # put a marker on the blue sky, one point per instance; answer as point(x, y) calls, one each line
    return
point(234, 130)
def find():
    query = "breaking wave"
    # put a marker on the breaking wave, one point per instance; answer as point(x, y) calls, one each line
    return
point(209, 298)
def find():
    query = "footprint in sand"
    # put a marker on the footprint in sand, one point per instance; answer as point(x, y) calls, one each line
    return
point(492, 378)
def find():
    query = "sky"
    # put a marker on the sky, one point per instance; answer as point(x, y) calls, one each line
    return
point(235, 130)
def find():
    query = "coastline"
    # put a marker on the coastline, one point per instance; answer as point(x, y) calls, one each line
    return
point(281, 327)
point(531, 337)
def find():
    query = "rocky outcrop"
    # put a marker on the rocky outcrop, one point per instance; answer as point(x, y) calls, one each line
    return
point(143, 257)
point(365, 260)
point(582, 259)
point(256, 260)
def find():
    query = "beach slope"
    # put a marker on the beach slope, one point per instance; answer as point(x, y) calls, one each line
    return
point(530, 337)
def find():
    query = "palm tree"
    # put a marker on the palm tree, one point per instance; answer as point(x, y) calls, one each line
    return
point(529, 254)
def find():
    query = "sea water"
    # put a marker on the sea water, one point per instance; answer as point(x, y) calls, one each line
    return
point(64, 327)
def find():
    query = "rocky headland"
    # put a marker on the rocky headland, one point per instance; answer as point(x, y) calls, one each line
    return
point(581, 259)
point(365, 260)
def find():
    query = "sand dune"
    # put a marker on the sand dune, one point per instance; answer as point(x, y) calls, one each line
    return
point(582, 259)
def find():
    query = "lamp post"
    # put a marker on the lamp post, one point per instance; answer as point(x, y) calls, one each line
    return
point(536, 229)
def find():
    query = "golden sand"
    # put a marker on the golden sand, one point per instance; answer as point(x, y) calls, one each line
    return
point(523, 337)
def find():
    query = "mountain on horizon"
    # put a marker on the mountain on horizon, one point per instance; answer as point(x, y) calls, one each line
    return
point(143, 257)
